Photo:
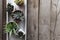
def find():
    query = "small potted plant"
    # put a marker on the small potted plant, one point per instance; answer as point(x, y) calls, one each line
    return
point(18, 16)
point(21, 33)
point(10, 8)
point(19, 2)
point(11, 28)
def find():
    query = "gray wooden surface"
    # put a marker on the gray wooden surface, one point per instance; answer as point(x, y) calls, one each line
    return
point(32, 20)
point(43, 20)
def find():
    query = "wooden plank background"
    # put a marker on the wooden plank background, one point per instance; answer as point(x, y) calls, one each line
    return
point(32, 20)
point(43, 20)
point(0, 19)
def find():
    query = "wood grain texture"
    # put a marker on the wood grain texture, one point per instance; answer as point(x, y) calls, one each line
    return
point(0, 19)
point(53, 17)
point(57, 22)
point(3, 19)
point(32, 20)
point(44, 20)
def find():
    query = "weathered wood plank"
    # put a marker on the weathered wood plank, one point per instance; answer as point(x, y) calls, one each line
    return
point(57, 25)
point(3, 19)
point(0, 19)
point(44, 20)
point(53, 18)
point(32, 20)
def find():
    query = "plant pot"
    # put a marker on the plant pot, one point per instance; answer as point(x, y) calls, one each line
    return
point(21, 33)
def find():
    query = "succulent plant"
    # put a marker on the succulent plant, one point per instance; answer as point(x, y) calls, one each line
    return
point(18, 15)
point(11, 28)
point(19, 2)
point(10, 8)
point(21, 33)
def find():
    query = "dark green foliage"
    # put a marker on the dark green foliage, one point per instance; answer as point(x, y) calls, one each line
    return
point(18, 15)
point(10, 8)
point(20, 34)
